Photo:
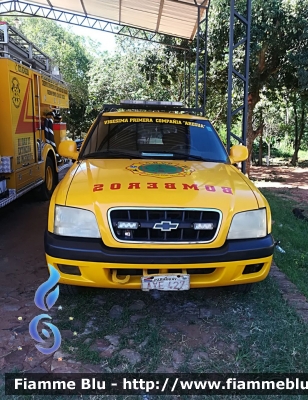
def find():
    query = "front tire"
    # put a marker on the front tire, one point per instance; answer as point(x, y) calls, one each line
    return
point(242, 289)
point(70, 290)
point(47, 188)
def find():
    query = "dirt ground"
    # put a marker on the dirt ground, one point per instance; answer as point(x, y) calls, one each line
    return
point(23, 269)
point(285, 181)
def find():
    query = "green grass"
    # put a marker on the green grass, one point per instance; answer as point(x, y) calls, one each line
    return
point(281, 156)
point(303, 155)
point(293, 235)
point(266, 334)
point(285, 153)
point(257, 332)
point(85, 308)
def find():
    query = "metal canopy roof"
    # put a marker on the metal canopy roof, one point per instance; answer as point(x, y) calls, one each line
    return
point(178, 18)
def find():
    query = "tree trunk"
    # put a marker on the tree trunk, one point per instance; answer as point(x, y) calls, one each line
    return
point(249, 139)
point(261, 150)
point(251, 133)
point(299, 131)
point(295, 146)
point(253, 98)
point(295, 156)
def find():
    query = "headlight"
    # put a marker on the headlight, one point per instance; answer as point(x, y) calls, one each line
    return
point(248, 225)
point(76, 222)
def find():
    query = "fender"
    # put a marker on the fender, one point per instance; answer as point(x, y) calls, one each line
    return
point(48, 151)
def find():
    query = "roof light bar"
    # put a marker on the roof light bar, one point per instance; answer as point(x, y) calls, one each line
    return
point(153, 103)
point(149, 105)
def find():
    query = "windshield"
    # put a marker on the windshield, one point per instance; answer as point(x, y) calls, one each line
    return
point(140, 137)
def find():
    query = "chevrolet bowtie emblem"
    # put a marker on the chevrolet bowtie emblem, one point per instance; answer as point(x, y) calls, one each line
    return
point(165, 226)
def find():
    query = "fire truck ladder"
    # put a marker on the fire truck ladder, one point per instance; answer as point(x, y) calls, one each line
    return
point(15, 46)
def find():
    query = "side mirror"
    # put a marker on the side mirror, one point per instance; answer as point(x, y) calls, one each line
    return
point(238, 153)
point(68, 149)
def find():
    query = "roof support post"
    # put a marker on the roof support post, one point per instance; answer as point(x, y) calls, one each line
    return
point(241, 76)
point(187, 78)
point(201, 58)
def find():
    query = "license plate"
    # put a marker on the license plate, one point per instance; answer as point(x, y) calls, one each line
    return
point(165, 282)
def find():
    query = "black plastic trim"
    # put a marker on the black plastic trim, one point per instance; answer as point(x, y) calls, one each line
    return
point(94, 250)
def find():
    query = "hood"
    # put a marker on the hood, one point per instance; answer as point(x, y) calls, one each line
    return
point(177, 183)
point(99, 185)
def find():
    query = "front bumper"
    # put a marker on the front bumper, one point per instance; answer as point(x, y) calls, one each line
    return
point(102, 266)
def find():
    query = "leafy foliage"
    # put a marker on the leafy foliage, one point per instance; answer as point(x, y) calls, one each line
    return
point(278, 59)
point(135, 71)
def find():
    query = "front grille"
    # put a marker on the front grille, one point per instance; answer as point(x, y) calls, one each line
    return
point(164, 225)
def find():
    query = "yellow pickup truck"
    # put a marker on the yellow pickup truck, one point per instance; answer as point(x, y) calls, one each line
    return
point(154, 201)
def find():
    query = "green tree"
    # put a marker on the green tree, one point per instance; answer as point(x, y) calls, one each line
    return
point(277, 34)
point(300, 110)
point(296, 87)
point(137, 70)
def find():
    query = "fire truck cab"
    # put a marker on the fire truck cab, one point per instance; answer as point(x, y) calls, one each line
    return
point(30, 122)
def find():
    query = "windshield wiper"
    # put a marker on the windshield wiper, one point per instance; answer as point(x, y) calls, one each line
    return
point(195, 157)
point(102, 154)
point(183, 155)
point(121, 154)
